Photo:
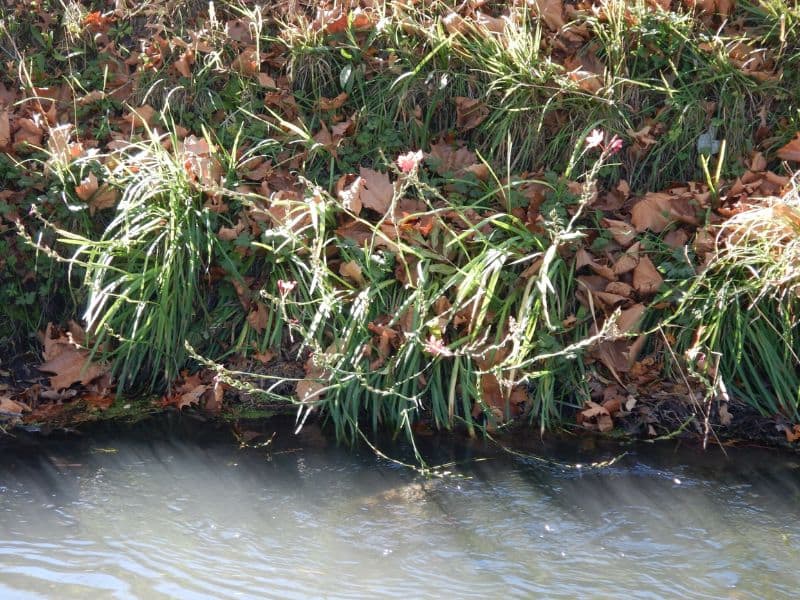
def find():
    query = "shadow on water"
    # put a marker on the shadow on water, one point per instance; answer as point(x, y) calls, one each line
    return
point(173, 508)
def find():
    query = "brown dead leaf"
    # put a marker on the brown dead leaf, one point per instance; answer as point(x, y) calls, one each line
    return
point(619, 288)
point(469, 113)
point(658, 209)
point(623, 233)
point(551, 12)
point(489, 23)
point(791, 151)
point(378, 191)
point(725, 417)
point(184, 64)
point(792, 434)
point(627, 261)
point(348, 190)
point(239, 30)
point(676, 238)
point(9, 407)
point(454, 160)
point(105, 197)
point(595, 416)
point(28, 132)
point(72, 365)
point(87, 187)
point(248, 63)
point(212, 397)
point(311, 388)
point(333, 103)
point(265, 357)
point(352, 271)
point(266, 81)
point(583, 258)
point(646, 278)
point(455, 24)
point(258, 318)
point(143, 116)
point(58, 146)
point(630, 319)
point(97, 401)
point(5, 129)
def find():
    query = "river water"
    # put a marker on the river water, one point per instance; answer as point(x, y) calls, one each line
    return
point(173, 511)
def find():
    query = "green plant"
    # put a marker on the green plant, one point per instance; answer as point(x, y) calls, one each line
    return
point(738, 322)
point(144, 273)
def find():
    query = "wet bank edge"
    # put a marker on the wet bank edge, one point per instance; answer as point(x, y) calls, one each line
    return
point(671, 418)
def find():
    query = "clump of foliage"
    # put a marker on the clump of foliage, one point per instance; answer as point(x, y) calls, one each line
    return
point(739, 323)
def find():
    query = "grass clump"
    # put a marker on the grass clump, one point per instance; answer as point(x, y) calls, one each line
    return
point(738, 323)
point(143, 274)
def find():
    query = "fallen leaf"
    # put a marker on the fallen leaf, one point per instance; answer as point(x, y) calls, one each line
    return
point(348, 190)
point(378, 192)
point(658, 209)
point(212, 397)
point(469, 113)
point(266, 81)
point(12, 407)
point(58, 145)
point(97, 401)
point(87, 187)
point(265, 357)
point(791, 151)
point(239, 30)
point(595, 416)
point(455, 24)
point(627, 261)
point(184, 64)
point(105, 197)
point(623, 233)
point(72, 365)
point(5, 129)
point(352, 270)
point(489, 23)
point(630, 319)
point(551, 11)
point(258, 318)
point(248, 63)
point(646, 278)
point(792, 434)
point(28, 132)
point(449, 160)
point(143, 116)
point(333, 103)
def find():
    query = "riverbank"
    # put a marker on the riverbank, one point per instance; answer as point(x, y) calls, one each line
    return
point(406, 217)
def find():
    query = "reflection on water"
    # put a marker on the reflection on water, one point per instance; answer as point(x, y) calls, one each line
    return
point(158, 514)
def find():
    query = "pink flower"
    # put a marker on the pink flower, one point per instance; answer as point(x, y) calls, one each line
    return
point(615, 145)
point(409, 161)
point(437, 347)
point(285, 287)
point(595, 139)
